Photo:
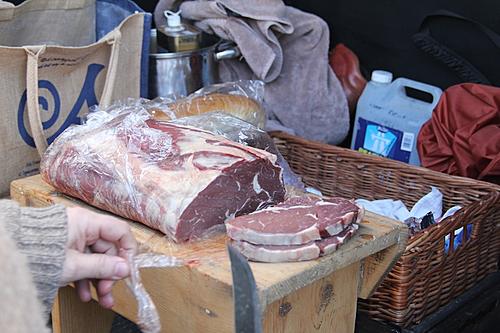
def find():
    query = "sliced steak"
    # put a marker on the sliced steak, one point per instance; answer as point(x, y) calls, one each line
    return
point(177, 179)
point(336, 218)
point(331, 244)
point(297, 221)
point(284, 253)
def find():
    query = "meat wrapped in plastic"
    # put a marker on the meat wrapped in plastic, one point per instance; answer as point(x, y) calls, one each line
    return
point(241, 99)
point(178, 179)
point(237, 130)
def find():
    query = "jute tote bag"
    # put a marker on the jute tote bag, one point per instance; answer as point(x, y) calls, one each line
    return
point(57, 59)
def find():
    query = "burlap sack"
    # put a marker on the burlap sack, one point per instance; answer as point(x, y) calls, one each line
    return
point(52, 71)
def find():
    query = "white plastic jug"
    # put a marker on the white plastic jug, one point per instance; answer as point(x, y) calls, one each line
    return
point(388, 120)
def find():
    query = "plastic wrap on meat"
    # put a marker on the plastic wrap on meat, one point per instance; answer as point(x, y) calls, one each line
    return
point(177, 179)
point(238, 130)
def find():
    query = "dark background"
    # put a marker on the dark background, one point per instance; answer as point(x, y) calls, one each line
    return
point(380, 33)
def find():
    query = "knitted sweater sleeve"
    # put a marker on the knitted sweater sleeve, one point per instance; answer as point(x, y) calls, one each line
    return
point(41, 235)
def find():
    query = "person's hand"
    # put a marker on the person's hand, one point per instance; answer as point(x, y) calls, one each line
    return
point(96, 250)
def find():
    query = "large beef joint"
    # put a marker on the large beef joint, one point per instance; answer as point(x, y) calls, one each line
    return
point(285, 253)
point(176, 179)
point(297, 221)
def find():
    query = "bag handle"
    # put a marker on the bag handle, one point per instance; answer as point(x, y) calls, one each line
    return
point(493, 36)
point(467, 71)
point(33, 108)
point(34, 119)
point(114, 39)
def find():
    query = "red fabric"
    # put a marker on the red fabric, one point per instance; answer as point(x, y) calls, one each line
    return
point(345, 64)
point(463, 136)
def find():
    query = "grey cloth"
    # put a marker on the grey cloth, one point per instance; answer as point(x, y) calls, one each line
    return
point(288, 50)
point(20, 309)
point(41, 235)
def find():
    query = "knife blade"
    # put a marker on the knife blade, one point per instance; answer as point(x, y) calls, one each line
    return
point(246, 299)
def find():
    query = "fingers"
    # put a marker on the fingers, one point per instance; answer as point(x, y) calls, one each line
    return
point(83, 290)
point(80, 266)
point(107, 301)
point(103, 288)
point(110, 240)
point(116, 231)
point(102, 246)
point(89, 227)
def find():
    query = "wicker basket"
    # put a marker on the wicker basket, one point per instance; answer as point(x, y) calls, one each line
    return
point(426, 277)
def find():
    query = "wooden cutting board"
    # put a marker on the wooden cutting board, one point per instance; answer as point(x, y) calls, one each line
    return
point(199, 298)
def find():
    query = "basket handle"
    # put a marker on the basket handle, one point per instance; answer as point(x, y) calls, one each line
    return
point(33, 53)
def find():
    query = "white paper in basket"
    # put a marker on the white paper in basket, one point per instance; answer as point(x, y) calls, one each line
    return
point(431, 202)
point(396, 209)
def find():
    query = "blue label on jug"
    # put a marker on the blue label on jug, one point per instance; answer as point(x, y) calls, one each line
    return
point(376, 139)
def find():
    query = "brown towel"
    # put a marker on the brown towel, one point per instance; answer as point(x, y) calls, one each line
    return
point(287, 49)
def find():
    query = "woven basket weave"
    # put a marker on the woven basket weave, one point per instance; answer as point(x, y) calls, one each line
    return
point(426, 277)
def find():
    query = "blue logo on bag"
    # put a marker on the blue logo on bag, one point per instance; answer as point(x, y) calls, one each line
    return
point(87, 94)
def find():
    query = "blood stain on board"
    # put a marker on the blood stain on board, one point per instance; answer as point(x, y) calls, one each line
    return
point(285, 308)
point(367, 237)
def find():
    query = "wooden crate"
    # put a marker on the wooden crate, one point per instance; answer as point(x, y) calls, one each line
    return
point(313, 296)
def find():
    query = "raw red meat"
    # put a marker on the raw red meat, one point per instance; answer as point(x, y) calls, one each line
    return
point(173, 178)
point(297, 221)
point(331, 244)
point(284, 253)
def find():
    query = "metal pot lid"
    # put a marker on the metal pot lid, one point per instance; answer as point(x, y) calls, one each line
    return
point(211, 44)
